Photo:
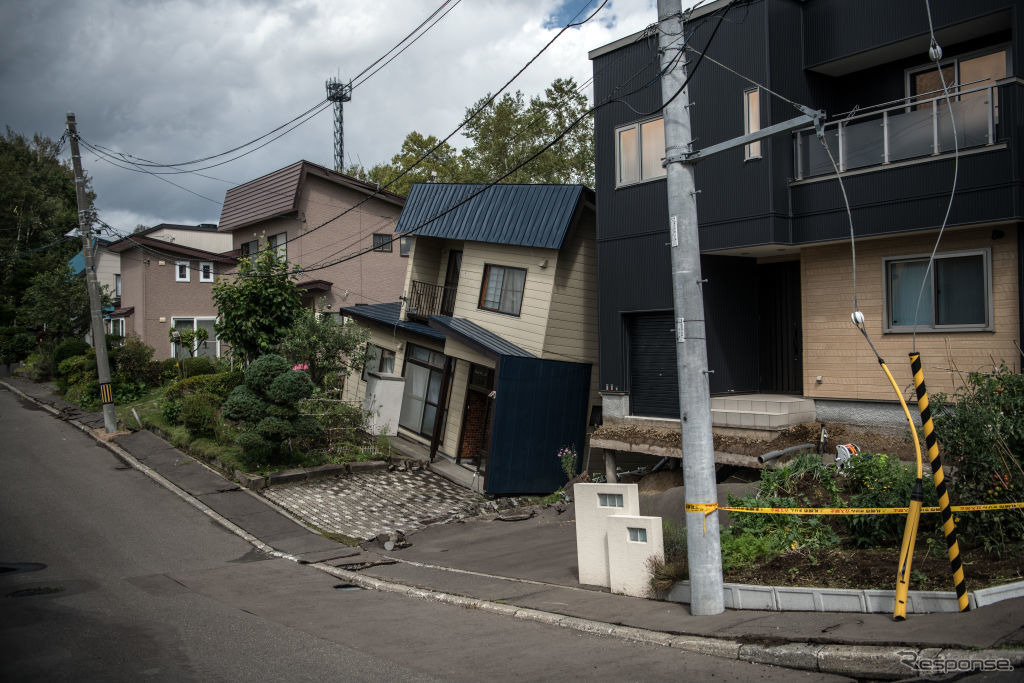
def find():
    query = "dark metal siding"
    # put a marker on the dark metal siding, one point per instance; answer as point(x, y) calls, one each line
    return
point(834, 29)
point(541, 405)
point(654, 387)
point(521, 215)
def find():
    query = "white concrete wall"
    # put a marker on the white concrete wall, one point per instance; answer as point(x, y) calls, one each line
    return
point(591, 527)
point(629, 571)
point(383, 400)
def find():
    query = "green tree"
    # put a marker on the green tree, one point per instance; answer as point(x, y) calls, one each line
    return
point(504, 134)
point(258, 306)
point(56, 304)
point(325, 346)
point(37, 208)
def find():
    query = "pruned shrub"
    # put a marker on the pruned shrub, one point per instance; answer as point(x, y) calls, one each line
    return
point(244, 405)
point(264, 370)
point(219, 385)
point(200, 365)
point(129, 363)
point(69, 348)
point(289, 388)
point(199, 414)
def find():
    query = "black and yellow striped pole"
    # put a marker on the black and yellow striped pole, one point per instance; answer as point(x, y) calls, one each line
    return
point(948, 525)
point(106, 393)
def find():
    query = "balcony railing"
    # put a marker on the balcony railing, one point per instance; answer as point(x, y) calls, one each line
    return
point(426, 299)
point(919, 127)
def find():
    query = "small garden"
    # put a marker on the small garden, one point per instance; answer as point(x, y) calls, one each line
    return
point(981, 433)
point(276, 403)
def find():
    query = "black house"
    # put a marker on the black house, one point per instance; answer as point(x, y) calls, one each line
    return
point(774, 233)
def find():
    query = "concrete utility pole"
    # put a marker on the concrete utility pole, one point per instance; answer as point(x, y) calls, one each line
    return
point(703, 545)
point(99, 336)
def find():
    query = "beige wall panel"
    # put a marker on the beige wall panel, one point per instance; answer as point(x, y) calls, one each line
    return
point(834, 349)
point(216, 242)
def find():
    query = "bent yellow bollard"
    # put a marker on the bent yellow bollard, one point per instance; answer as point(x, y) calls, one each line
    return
point(913, 516)
point(939, 477)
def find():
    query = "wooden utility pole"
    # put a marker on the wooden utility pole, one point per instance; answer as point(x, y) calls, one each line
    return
point(99, 334)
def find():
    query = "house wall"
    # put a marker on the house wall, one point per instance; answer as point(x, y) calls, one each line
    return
point(108, 264)
point(207, 240)
point(386, 338)
point(527, 330)
point(152, 290)
point(571, 332)
point(834, 349)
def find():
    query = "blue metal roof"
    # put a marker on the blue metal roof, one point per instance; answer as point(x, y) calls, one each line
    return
point(480, 336)
point(388, 314)
point(521, 215)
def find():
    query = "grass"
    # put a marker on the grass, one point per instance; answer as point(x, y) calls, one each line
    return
point(148, 402)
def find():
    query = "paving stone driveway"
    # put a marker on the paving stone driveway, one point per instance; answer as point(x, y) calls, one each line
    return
point(365, 505)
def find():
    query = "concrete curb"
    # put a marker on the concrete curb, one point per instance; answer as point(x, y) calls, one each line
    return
point(860, 661)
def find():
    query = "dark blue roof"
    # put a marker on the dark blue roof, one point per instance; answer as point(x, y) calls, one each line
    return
point(521, 215)
point(472, 332)
point(388, 314)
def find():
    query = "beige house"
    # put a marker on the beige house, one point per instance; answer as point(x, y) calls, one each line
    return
point(167, 285)
point(495, 338)
point(335, 228)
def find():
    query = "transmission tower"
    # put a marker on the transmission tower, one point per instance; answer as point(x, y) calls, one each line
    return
point(339, 93)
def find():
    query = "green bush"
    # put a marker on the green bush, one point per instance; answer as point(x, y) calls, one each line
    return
point(169, 370)
point(882, 481)
point(256, 451)
point(171, 410)
point(244, 405)
point(981, 433)
point(86, 394)
point(129, 363)
point(220, 385)
point(264, 370)
point(15, 344)
point(68, 348)
point(781, 533)
point(198, 414)
point(200, 365)
point(290, 387)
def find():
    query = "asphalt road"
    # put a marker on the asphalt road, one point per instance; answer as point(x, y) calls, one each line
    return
point(138, 585)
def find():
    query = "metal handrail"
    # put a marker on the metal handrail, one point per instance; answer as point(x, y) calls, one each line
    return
point(885, 115)
point(426, 299)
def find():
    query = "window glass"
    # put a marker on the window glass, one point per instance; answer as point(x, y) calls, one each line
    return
point(988, 69)
point(280, 243)
point(182, 271)
point(928, 84)
point(960, 291)
point(637, 534)
point(372, 361)
point(206, 272)
point(209, 347)
point(956, 293)
point(610, 500)
point(405, 246)
point(503, 289)
point(117, 284)
point(629, 156)
point(905, 279)
point(381, 241)
point(752, 120)
point(387, 360)
point(250, 248)
point(652, 137)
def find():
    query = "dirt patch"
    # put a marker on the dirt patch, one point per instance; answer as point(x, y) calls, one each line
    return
point(869, 439)
point(876, 569)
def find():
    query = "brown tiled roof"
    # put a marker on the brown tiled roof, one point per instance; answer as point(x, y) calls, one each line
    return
point(158, 247)
point(277, 194)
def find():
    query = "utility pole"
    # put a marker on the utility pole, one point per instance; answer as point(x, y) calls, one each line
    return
point(99, 336)
point(703, 544)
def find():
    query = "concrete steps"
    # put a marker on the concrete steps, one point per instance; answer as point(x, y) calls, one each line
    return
point(761, 411)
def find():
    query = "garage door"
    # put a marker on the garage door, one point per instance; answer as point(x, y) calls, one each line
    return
point(653, 391)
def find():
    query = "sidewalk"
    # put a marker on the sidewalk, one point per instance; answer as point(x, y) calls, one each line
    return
point(527, 569)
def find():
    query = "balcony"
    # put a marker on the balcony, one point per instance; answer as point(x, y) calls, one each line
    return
point(426, 299)
point(913, 129)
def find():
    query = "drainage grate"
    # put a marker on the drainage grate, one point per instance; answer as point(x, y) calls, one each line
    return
point(31, 592)
point(14, 567)
point(348, 587)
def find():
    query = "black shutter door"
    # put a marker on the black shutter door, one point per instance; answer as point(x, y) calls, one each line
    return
point(653, 389)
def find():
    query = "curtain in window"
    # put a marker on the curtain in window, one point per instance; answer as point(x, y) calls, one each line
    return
point(512, 291)
point(495, 279)
point(960, 283)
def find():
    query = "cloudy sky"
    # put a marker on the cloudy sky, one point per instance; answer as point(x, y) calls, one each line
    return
point(175, 80)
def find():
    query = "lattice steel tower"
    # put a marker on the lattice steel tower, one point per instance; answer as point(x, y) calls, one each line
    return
point(339, 93)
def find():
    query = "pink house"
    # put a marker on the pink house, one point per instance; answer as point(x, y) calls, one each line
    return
point(319, 220)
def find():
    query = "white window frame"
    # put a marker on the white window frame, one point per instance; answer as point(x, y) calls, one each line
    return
point(121, 325)
point(638, 126)
point(202, 271)
point(987, 326)
point(753, 149)
point(177, 271)
point(637, 534)
point(610, 500)
point(215, 340)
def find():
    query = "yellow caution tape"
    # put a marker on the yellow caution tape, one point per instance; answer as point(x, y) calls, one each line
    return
point(708, 508)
